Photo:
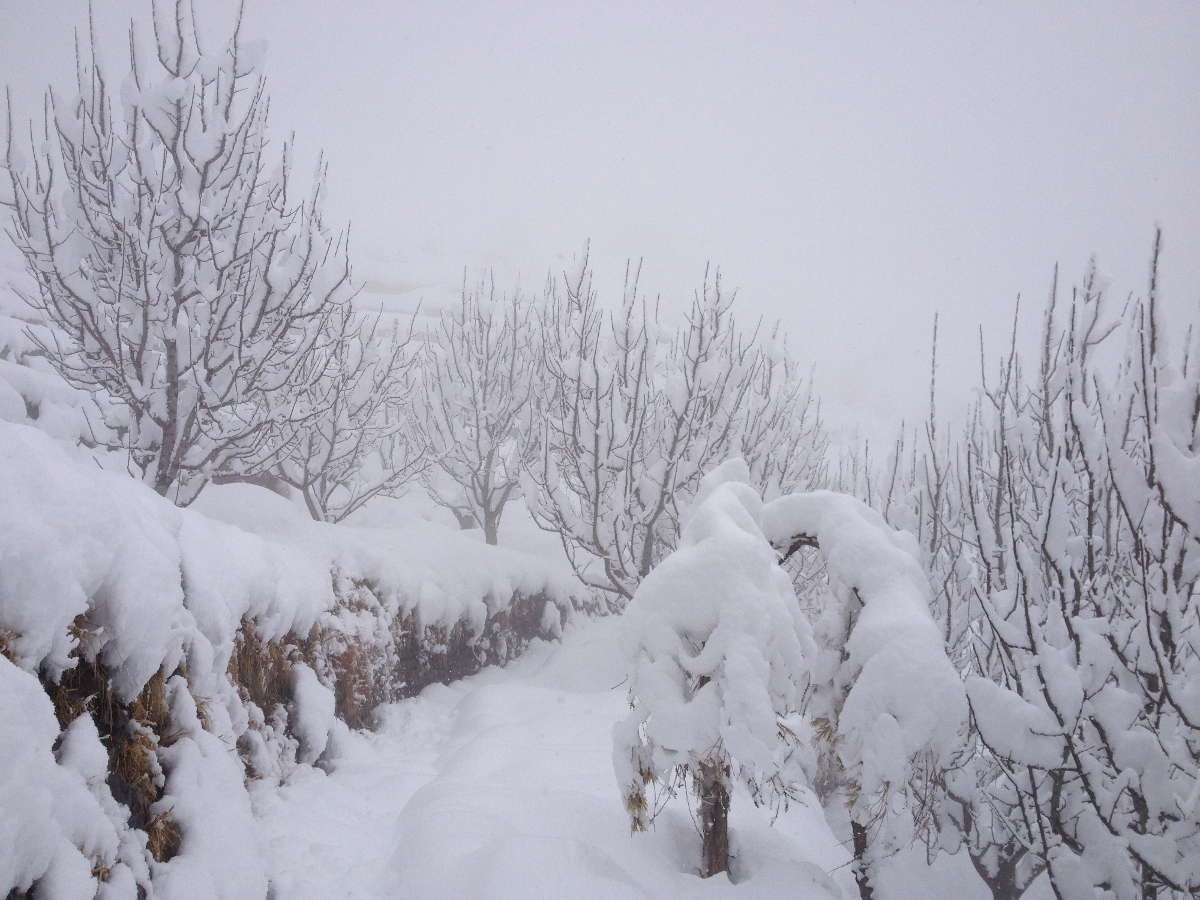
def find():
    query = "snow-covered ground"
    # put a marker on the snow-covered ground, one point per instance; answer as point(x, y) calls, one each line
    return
point(502, 785)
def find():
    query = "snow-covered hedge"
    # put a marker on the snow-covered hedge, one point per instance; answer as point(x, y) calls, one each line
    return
point(125, 620)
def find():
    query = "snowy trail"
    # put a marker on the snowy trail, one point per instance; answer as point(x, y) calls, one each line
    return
point(502, 786)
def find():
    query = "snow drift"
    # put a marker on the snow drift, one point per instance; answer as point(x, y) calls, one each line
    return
point(127, 622)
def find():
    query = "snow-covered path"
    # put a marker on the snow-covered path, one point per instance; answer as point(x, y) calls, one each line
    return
point(502, 786)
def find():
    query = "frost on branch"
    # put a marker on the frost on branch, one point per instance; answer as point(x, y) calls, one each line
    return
point(719, 667)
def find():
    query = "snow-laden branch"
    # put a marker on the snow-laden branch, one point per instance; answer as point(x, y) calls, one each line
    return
point(883, 685)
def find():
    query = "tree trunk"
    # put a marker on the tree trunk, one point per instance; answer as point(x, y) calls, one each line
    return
point(712, 790)
point(865, 891)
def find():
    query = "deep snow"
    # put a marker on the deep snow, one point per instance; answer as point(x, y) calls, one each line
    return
point(502, 785)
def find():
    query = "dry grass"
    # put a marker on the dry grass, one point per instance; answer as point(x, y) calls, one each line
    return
point(7, 640)
point(162, 836)
point(100, 870)
point(131, 732)
point(132, 760)
point(87, 687)
point(260, 670)
point(150, 707)
point(355, 691)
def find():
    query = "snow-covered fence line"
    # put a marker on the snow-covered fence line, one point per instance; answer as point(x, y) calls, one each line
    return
point(135, 638)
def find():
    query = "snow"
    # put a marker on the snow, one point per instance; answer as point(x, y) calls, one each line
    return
point(312, 715)
point(442, 574)
point(96, 565)
point(54, 827)
point(501, 785)
point(497, 785)
point(904, 697)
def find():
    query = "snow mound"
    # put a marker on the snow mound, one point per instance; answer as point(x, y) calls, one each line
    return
point(100, 578)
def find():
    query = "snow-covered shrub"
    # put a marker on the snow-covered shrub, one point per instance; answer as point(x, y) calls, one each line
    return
point(885, 696)
point(719, 658)
point(181, 280)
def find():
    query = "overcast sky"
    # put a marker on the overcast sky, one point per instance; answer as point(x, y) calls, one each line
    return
point(850, 167)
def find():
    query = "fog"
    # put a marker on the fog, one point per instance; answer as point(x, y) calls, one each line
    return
point(851, 169)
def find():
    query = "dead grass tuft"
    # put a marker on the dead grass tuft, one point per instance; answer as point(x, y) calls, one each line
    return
point(133, 761)
point(87, 687)
point(260, 669)
point(355, 691)
point(100, 870)
point(7, 640)
point(150, 707)
point(162, 836)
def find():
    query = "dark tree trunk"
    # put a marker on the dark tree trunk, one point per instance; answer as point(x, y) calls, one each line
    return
point(712, 790)
point(865, 891)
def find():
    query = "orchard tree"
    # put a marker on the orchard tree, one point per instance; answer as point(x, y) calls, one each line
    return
point(635, 418)
point(1087, 574)
point(1059, 532)
point(781, 434)
point(361, 441)
point(185, 280)
point(719, 658)
point(480, 402)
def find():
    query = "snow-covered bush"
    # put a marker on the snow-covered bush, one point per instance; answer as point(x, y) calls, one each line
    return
point(182, 280)
point(719, 657)
point(723, 663)
point(885, 696)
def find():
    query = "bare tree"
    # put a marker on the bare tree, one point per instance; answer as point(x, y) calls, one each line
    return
point(480, 402)
point(361, 440)
point(782, 436)
point(634, 422)
point(185, 281)
point(1082, 528)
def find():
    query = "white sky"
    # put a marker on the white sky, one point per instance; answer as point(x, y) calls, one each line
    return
point(851, 167)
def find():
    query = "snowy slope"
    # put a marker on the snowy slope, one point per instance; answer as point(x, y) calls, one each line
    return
point(502, 785)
